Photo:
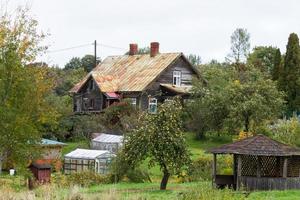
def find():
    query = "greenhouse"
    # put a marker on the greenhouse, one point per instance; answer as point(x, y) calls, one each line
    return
point(87, 160)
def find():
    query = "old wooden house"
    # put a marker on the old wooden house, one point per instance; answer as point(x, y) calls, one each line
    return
point(144, 80)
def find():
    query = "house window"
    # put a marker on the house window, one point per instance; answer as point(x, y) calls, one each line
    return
point(92, 103)
point(177, 78)
point(91, 85)
point(152, 105)
point(133, 102)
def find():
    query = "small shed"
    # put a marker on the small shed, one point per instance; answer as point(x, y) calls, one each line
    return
point(259, 163)
point(51, 153)
point(41, 172)
point(87, 159)
point(107, 142)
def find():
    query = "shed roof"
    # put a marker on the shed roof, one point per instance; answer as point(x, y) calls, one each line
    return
point(177, 89)
point(87, 154)
point(47, 142)
point(108, 138)
point(129, 72)
point(257, 145)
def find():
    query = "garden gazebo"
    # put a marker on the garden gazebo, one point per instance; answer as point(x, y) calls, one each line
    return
point(259, 163)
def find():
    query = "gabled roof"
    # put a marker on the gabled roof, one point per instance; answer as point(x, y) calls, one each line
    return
point(108, 138)
point(129, 72)
point(257, 145)
point(88, 154)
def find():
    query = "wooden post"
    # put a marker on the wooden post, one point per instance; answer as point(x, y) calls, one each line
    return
point(239, 171)
point(284, 173)
point(214, 169)
point(258, 170)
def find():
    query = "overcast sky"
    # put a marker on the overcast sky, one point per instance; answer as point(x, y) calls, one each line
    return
point(201, 27)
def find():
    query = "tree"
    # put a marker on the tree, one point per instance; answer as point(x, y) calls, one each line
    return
point(277, 68)
point(232, 102)
point(23, 88)
point(194, 59)
point(74, 63)
point(290, 79)
point(240, 46)
point(264, 58)
point(88, 62)
point(160, 138)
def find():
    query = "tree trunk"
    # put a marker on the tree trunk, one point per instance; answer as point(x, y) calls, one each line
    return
point(164, 181)
point(247, 123)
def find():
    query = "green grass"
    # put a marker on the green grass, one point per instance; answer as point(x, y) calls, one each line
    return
point(84, 144)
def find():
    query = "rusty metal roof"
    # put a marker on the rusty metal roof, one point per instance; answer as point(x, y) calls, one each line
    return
point(257, 145)
point(128, 72)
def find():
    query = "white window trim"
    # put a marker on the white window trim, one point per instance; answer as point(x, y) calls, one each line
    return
point(177, 78)
point(133, 101)
point(152, 102)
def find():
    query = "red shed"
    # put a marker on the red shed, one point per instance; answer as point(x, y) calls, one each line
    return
point(41, 172)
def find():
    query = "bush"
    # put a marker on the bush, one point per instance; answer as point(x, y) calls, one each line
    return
point(84, 179)
point(121, 170)
point(201, 169)
point(286, 131)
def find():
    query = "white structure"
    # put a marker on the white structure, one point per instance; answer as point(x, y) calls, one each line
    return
point(107, 142)
point(87, 159)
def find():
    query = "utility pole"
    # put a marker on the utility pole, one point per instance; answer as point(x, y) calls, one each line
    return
point(95, 52)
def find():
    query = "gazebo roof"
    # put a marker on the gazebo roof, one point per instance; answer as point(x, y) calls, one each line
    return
point(257, 145)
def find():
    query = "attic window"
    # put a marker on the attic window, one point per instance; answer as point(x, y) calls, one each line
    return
point(91, 85)
point(177, 78)
point(152, 105)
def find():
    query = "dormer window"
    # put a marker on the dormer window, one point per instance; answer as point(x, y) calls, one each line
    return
point(177, 78)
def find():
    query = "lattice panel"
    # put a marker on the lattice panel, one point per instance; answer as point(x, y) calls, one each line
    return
point(249, 165)
point(269, 166)
point(294, 166)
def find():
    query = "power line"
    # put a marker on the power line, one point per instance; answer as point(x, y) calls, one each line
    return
point(112, 47)
point(69, 48)
point(84, 45)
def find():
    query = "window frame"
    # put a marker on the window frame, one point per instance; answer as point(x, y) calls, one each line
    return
point(177, 75)
point(133, 101)
point(151, 103)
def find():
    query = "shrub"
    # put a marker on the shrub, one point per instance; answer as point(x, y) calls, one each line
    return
point(84, 179)
point(287, 131)
point(200, 169)
point(120, 170)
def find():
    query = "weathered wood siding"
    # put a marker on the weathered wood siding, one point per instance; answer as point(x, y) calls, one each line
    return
point(265, 183)
point(187, 74)
point(83, 99)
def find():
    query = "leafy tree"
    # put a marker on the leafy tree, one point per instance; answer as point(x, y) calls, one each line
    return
point(240, 46)
point(23, 88)
point(233, 101)
point(194, 59)
point(290, 79)
point(264, 58)
point(88, 62)
point(160, 138)
point(74, 63)
point(253, 101)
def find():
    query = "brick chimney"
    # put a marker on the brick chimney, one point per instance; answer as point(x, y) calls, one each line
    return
point(154, 49)
point(133, 49)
